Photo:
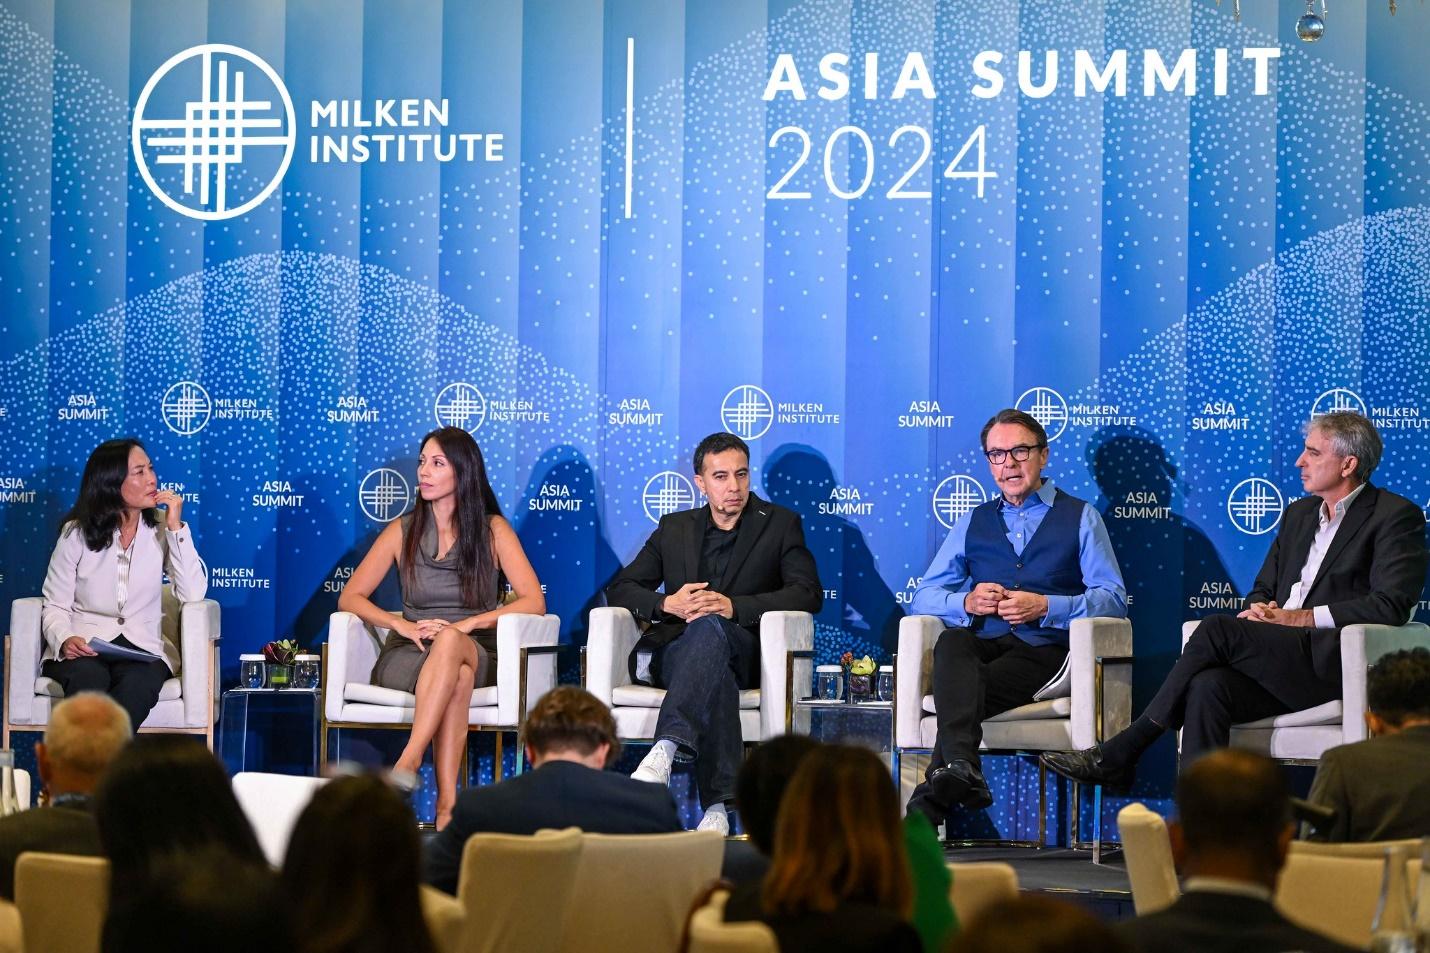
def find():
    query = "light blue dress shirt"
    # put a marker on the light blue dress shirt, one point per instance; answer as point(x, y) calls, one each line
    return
point(947, 581)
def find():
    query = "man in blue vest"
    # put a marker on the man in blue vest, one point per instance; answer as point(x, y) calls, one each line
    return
point(1010, 577)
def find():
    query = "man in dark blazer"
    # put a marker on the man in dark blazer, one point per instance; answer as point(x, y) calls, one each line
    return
point(1347, 553)
point(720, 567)
point(1230, 839)
point(1377, 786)
point(84, 734)
point(571, 740)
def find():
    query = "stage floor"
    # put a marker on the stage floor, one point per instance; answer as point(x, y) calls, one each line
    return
point(1068, 874)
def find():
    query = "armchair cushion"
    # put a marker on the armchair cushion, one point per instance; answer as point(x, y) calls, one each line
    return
point(643, 696)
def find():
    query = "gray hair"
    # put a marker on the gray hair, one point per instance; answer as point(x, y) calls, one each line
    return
point(1351, 435)
point(86, 731)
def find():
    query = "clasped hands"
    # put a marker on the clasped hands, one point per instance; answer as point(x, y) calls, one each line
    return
point(421, 631)
point(694, 600)
point(1014, 606)
point(1271, 612)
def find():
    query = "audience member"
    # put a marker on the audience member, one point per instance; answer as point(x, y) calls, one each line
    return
point(84, 734)
point(571, 740)
point(1377, 787)
point(351, 872)
point(1037, 925)
point(839, 877)
point(759, 787)
point(208, 901)
point(1230, 841)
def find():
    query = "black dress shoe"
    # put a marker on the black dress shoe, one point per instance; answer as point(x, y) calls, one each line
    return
point(960, 782)
point(1087, 767)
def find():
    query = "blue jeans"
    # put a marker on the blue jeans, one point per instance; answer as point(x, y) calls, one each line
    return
point(702, 671)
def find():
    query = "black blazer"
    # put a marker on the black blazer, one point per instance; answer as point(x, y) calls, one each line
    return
point(556, 795)
point(1222, 923)
point(770, 568)
point(1377, 787)
point(54, 830)
point(1372, 574)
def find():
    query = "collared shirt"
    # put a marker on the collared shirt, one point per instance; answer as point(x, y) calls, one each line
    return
point(1237, 888)
point(1330, 521)
point(947, 581)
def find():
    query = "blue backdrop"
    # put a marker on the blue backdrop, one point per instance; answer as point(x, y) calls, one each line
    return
point(209, 239)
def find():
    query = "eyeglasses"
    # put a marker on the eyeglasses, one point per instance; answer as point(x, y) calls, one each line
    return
point(1019, 454)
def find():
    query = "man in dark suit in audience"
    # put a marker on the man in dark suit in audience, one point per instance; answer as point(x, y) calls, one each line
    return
point(1378, 787)
point(84, 734)
point(1230, 841)
point(571, 740)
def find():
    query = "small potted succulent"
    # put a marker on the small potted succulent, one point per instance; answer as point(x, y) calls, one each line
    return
point(279, 658)
point(859, 676)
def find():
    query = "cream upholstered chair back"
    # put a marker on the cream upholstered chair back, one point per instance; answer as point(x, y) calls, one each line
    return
point(63, 901)
point(444, 917)
point(1148, 851)
point(272, 803)
point(1371, 848)
point(976, 886)
point(500, 875)
point(709, 933)
point(22, 788)
point(11, 939)
point(633, 891)
point(1332, 895)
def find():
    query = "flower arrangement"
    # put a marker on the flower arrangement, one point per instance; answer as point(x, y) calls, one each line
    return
point(280, 655)
point(860, 675)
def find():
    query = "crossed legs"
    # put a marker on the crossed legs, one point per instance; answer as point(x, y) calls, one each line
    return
point(444, 692)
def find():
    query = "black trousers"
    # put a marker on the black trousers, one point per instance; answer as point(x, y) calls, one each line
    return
point(975, 678)
point(134, 685)
point(1235, 670)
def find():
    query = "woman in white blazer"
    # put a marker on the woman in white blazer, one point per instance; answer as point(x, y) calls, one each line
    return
point(104, 587)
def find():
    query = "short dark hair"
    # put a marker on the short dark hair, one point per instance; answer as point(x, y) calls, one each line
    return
point(1011, 415)
point(1398, 686)
point(719, 443)
point(569, 718)
point(1235, 801)
point(1032, 924)
point(762, 782)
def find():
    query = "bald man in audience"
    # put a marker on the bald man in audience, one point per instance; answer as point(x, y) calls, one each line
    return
point(1230, 841)
point(84, 734)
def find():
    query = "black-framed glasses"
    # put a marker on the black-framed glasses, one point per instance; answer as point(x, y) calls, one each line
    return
point(1018, 453)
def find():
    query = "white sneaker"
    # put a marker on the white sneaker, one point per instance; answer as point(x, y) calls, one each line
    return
point(655, 768)
point(718, 821)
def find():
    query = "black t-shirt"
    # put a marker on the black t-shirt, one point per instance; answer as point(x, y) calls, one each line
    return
point(715, 550)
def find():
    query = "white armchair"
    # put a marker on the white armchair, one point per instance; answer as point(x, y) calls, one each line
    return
point(526, 670)
point(186, 702)
point(1093, 701)
point(613, 634)
point(1303, 736)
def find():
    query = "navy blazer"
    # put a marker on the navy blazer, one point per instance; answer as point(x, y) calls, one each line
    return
point(1222, 923)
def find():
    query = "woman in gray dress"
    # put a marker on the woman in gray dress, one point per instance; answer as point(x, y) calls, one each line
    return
point(450, 552)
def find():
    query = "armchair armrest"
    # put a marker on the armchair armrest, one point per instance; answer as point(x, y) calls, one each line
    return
point(352, 652)
point(26, 644)
point(198, 658)
point(913, 675)
point(1099, 709)
point(516, 632)
point(1361, 647)
point(611, 635)
point(781, 632)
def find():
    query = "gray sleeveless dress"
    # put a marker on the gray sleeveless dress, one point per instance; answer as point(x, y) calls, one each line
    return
point(435, 592)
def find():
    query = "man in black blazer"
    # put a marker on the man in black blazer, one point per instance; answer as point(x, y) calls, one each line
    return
point(721, 567)
point(84, 734)
point(1347, 553)
point(1230, 839)
point(1377, 786)
point(571, 740)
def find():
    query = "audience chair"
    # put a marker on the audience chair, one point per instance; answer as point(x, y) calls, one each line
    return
point(526, 670)
point(22, 789)
point(980, 885)
point(1332, 895)
point(1300, 737)
point(1088, 700)
point(633, 891)
point(709, 933)
point(63, 901)
point(272, 803)
point(444, 918)
point(186, 702)
point(613, 634)
point(12, 939)
point(500, 875)
point(1365, 848)
point(1148, 852)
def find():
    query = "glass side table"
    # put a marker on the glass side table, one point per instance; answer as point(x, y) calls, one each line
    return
point(233, 719)
point(867, 724)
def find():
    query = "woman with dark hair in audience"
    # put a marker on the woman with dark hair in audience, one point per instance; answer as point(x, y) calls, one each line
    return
point(352, 872)
point(450, 551)
point(839, 877)
point(106, 579)
point(1037, 925)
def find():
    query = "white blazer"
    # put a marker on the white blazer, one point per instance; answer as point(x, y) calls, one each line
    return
point(82, 588)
